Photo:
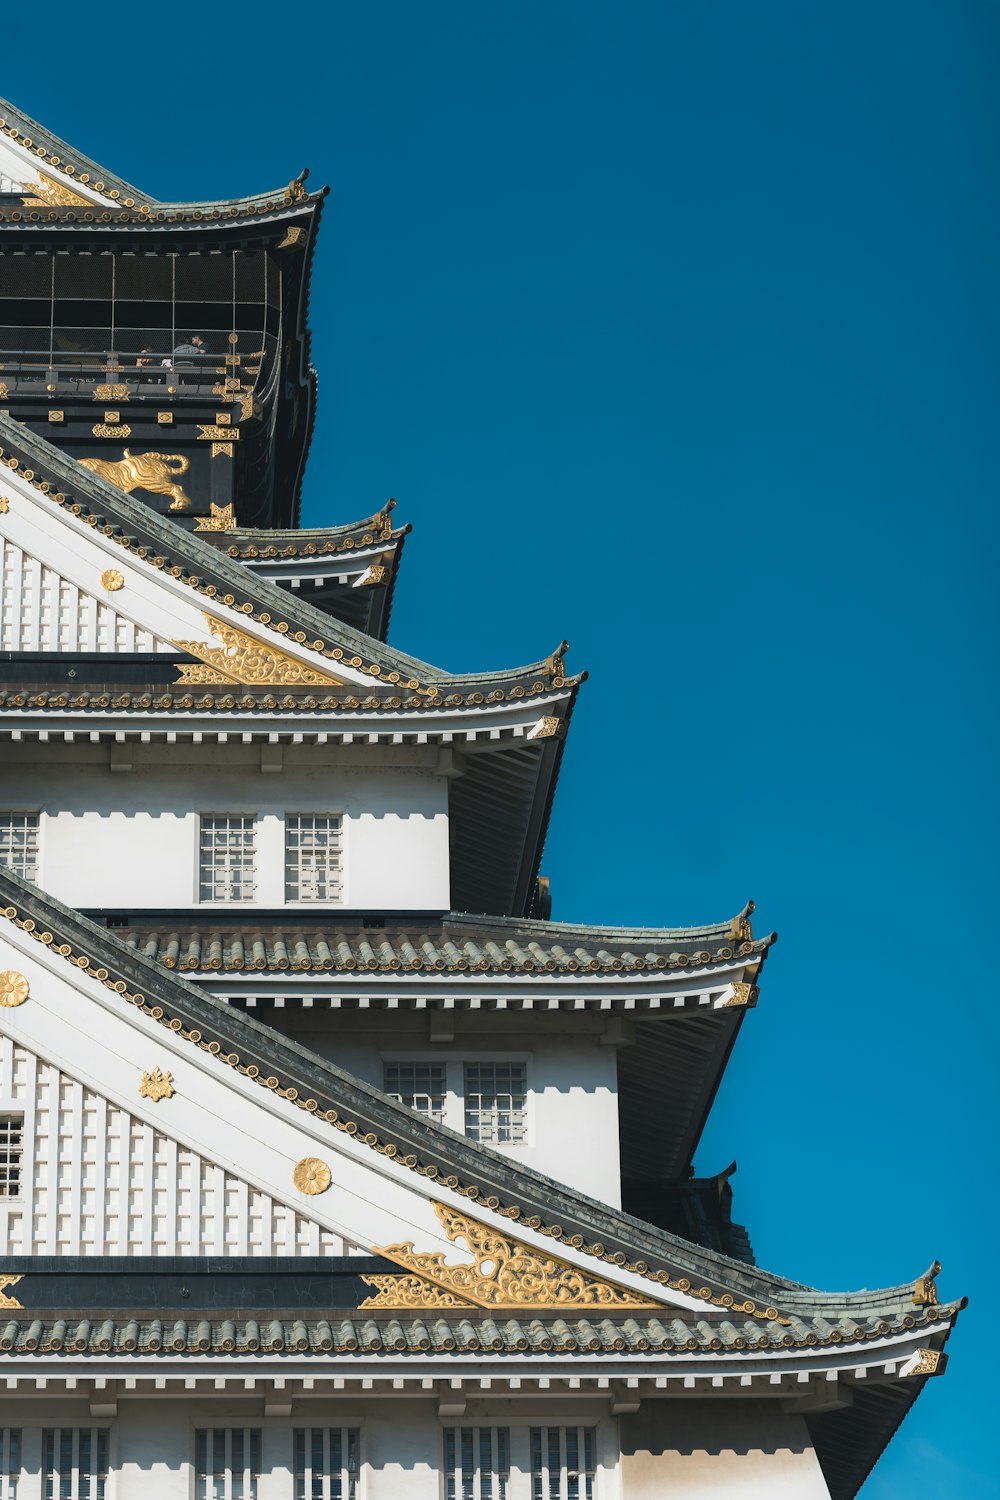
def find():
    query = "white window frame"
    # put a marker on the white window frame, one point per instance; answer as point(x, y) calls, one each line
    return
point(220, 902)
point(17, 1115)
point(344, 1484)
point(97, 1485)
point(493, 1483)
point(454, 1104)
point(421, 1062)
point(38, 815)
point(497, 1062)
point(338, 899)
point(11, 1459)
point(220, 1487)
point(565, 1487)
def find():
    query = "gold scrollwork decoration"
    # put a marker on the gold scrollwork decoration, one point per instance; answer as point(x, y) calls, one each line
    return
point(111, 430)
point(925, 1292)
point(6, 1282)
point(240, 658)
point(114, 392)
point(743, 994)
point(52, 194)
point(503, 1273)
point(548, 727)
point(215, 433)
point(156, 472)
point(373, 575)
point(156, 1085)
point(14, 988)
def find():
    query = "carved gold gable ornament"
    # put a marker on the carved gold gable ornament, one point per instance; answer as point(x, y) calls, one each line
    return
point(240, 658)
point(6, 1282)
point(503, 1274)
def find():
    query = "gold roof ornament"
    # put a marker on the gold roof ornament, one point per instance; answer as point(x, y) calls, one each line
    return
point(241, 658)
point(503, 1273)
point(925, 1292)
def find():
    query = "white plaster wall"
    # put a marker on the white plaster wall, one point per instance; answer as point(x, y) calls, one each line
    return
point(131, 840)
point(152, 1440)
point(572, 1093)
point(691, 1449)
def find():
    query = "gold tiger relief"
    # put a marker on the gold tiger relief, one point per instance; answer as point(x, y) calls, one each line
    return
point(156, 472)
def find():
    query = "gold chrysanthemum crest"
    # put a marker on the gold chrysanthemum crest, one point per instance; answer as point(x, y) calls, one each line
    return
point(311, 1175)
point(13, 988)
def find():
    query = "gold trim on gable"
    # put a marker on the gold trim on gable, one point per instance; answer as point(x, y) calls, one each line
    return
point(240, 658)
point(503, 1273)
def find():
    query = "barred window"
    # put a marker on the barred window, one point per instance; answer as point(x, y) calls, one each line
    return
point(11, 1153)
point(312, 857)
point(10, 1462)
point(327, 1463)
point(562, 1463)
point(420, 1086)
point(76, 1462)
point(19, 844)
point(227, 1463)
point(495, 1103)
point(477, 1463)
point(227, 857)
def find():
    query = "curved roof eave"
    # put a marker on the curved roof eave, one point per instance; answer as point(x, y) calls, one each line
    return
point(57, 154)
point(543, 1204)
point(111, 505)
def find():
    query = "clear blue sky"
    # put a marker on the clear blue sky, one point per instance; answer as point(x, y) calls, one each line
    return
point(674, 329)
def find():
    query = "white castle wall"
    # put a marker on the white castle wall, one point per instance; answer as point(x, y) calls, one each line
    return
point(572, 1114)
point(132, 840)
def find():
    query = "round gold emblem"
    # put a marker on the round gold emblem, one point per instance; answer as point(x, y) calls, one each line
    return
point(311, 1175)
point(112, 580)
point(14, 988)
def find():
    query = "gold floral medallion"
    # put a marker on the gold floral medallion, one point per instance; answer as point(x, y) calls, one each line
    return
point(13, 988)
point(311, 1175)
point(112, 580)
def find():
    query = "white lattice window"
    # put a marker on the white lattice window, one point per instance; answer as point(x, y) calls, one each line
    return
point(19, 844)
point(495, 1103)
point(11, 1154)
point(327, 1463)
point(227, 1463)
point(563, 1463)
point(420, 1086)
point(76, 1462)
point(227, 857)
point(312, 856)
point(477, 1463)
point(10, 1462)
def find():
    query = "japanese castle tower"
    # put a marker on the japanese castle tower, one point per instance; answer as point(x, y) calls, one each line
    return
point(331, 1168)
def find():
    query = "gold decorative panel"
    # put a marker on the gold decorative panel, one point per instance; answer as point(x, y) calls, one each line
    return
point(242, 659)
point(221, 518)
point(13, 988)
point(156, 1085)
point(503, 1273)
